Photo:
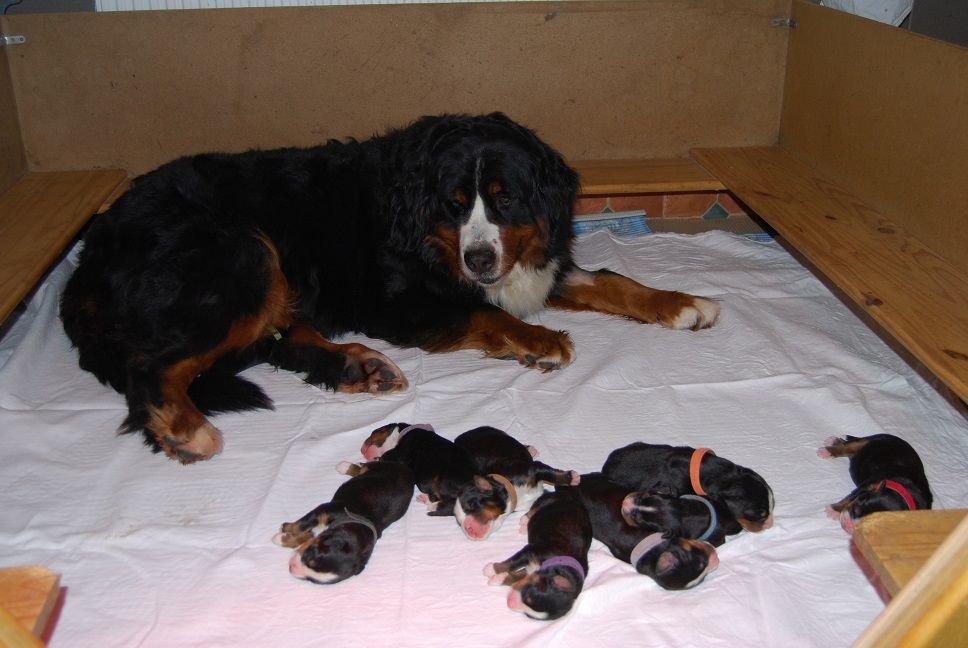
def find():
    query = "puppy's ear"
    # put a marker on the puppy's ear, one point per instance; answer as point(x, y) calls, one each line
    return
point(483, 483)
point(666, 563)
point(562, 583)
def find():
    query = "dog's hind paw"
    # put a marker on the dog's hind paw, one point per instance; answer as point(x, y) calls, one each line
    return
point(369, 371)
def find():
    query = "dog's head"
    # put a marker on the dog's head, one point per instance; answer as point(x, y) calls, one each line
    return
point(483, 198)
point(678, 563)
point(334, 555)
point(547, 594)
point(482, 507)
point(748, 497)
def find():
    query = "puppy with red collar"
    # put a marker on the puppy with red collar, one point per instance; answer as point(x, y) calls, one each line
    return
point(335, 540)
point(513, 480)
point(888, 474)
point(441, 470)
point(675, 470)
point(547, 574)
point(673, 559)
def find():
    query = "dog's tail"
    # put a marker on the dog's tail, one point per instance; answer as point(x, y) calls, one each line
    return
point(221, 389)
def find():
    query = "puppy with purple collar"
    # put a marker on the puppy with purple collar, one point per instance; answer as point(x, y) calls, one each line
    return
point(673, 561)
point(512, 480)
point(887, 472)
point(335, 540)
point(547, 574)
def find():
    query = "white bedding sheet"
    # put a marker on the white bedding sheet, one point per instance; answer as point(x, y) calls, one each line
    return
point(153, 553)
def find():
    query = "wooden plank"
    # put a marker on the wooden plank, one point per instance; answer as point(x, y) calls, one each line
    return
point(916, 295)
point(39, 215)
point(930, 610)
point(883, 111)
point(28, 595)
point(610, 177)
point(897, 544)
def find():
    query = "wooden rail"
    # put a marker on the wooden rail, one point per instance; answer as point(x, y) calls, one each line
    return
point(615, 177)
point(916, 295)
point(39, 215)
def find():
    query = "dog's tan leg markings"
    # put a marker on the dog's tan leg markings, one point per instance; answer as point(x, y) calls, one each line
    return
point(606, 292)
point(366, 370)
point(501, 335)
point(181, 430)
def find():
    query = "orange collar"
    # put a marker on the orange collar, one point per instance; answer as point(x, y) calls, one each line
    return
point(697, 456)
point(504, 481)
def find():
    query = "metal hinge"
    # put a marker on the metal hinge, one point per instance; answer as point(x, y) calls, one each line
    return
point(12, 40)
point(783, 21)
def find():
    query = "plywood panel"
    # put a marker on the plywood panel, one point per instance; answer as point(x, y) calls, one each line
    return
point(12, 161)
point(600, 80)
point(884, 112)
point(916, 295)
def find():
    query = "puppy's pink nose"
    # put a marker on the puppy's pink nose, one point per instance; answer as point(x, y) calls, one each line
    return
point(713, 561)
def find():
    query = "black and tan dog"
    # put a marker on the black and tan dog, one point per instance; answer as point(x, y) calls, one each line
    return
point(335, 540)
point(688, 516)
point(888, 474)
point(547, 574)
point(441, 469)
point(513, 480)
point(676, 470)
point(672, 559)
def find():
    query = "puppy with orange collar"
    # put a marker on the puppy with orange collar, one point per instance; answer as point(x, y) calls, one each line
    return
point(675, 470)
point(547, 574)
point(888, 474)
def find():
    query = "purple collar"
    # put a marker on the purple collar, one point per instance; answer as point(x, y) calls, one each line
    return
point(416, 426)
point(564, 561)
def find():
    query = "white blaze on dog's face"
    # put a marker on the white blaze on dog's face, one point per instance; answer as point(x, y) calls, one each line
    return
point(500, 256)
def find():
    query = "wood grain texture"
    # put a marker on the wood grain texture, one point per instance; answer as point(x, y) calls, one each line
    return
point(897, 544)
point(916, 295)
point(39, 215)
point(28, 595)
point(610, 177)
point(883, 111)
point(932, 607)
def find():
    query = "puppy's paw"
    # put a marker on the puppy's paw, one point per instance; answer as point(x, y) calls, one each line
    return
point(575, 477)
point(533, 452)
point(694, 313)
point(823, 453)
point(423, 499)
point(489, 570)
point(344, 467)
point(523, 524)
point(832, 514)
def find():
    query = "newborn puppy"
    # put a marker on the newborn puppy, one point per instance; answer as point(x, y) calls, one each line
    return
point(689, 516)
point(547, 575)
point(670, 470)
point(888, 474)
point(673, 562)
point(441, 469)
point(514, 480)
point(335, 540)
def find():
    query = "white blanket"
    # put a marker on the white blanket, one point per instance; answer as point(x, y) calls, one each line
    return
point(153, 553)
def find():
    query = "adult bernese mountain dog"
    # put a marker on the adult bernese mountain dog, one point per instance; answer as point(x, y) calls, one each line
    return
point(440, 235)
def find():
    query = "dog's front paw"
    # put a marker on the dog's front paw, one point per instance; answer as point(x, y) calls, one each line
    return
point(688, 312)
point(540, 348)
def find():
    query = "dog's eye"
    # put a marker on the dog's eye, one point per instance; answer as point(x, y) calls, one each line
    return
point(504, 200)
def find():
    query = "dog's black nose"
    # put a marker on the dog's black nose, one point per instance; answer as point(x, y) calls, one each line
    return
point(480, 260)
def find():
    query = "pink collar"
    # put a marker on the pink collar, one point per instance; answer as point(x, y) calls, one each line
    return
point(903, 492)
